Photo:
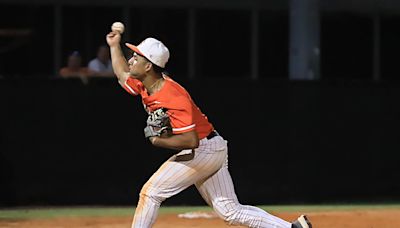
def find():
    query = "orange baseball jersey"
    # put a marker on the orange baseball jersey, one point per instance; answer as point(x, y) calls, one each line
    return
point(183, 112)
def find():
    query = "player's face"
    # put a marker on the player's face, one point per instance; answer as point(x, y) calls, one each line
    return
point(137, 66)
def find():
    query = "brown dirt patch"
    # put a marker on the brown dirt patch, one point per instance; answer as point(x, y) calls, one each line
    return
point(355, 219)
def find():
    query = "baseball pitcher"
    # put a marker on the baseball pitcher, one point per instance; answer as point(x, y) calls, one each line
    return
point(175, 122)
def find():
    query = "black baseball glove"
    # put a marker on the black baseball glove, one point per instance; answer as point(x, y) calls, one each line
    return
point(158, 124)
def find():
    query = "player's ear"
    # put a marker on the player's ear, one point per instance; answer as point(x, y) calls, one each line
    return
point(148, 66)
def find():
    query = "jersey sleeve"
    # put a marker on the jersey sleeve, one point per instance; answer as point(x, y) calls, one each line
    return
point(182, 119)
point(132, 86)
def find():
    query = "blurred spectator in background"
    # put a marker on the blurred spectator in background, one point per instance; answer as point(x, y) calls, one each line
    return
point(101, 65)
point(74, 68)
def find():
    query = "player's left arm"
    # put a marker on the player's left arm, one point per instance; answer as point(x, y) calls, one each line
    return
point(187, 140)
point(183, 134)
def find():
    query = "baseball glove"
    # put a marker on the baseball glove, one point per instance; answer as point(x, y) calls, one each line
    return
point(158, 124)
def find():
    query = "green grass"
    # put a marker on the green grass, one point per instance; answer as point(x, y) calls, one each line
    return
point(54, 212)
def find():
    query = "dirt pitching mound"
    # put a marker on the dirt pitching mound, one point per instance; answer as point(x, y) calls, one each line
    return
point(332, 219)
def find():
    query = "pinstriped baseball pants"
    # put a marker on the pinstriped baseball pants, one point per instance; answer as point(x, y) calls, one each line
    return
point(208, 171)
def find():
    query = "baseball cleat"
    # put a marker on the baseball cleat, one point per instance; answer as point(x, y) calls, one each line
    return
point(302, 222)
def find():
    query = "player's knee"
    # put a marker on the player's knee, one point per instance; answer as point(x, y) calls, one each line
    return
point(151, 194)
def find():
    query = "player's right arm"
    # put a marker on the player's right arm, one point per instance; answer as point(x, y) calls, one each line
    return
point(119, 63)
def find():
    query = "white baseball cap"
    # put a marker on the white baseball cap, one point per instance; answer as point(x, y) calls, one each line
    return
point(153, 49)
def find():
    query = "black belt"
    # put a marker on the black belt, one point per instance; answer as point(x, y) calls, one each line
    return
point(212, 134)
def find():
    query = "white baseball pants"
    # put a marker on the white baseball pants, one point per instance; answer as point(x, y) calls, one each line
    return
point(208, 170)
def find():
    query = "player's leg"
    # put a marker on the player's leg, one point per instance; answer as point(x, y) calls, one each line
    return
point(218, 191)
point(170, 179)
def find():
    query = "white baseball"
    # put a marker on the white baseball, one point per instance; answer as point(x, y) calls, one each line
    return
point(118, 27)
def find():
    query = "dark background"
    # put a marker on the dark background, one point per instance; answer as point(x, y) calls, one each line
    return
point(329, 140)
point(289, 142)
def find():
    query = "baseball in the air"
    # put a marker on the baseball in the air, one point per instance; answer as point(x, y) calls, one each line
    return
point(118, 27)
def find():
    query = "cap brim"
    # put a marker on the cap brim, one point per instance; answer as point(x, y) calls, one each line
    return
point(134, 48)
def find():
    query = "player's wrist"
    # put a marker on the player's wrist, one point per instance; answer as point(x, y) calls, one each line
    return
point(153, 139)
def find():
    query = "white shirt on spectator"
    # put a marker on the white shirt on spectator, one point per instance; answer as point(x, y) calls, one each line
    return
point(97, 66)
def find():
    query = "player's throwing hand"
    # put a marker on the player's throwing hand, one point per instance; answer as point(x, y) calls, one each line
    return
point(113, 38)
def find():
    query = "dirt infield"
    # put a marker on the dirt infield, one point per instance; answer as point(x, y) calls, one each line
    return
point(389, 218)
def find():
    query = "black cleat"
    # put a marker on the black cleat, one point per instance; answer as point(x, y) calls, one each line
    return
point(302, 222)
